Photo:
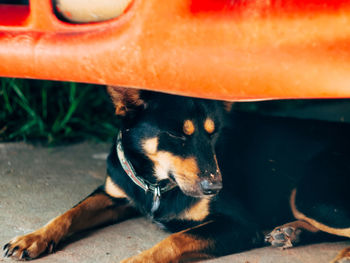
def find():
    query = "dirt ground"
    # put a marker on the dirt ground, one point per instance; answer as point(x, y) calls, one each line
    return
point(37, 184)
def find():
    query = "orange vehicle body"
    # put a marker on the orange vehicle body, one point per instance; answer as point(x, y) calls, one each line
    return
point(221, 49)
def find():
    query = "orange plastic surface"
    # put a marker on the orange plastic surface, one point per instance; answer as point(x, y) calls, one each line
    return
point(222, 49)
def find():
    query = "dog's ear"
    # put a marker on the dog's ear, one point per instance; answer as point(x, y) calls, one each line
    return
point(125, 100)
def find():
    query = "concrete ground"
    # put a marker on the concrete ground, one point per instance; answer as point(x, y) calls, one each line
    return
point(37, 184)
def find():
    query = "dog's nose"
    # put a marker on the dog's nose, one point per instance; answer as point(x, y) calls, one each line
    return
point(210, 187)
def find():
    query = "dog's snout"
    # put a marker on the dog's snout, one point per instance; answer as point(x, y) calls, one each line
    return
point(210, 187)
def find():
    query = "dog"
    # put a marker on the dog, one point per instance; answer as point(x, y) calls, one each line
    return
point(214, 177)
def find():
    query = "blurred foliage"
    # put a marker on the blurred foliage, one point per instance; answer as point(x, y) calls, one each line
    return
point(59, 112)
point(54, 112)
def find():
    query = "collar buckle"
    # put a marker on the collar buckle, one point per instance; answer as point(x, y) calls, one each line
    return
point(156, 200)
point(157, 191)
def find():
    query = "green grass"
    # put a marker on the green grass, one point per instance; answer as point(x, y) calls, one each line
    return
point(54, 112)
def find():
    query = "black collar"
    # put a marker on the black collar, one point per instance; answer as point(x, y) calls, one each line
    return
point(156, 189)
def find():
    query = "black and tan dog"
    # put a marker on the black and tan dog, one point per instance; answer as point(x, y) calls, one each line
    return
point(217, 180)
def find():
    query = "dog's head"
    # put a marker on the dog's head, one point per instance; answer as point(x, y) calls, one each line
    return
point(172, 136)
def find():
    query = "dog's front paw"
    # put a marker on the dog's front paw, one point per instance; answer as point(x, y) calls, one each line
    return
point(283, 237)
point(28, 246)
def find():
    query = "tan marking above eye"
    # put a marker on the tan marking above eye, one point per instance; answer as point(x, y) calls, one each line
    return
point(209, 125)
point(188, 127)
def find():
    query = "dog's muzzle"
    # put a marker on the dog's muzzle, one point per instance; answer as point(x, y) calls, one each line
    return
point(210, 187)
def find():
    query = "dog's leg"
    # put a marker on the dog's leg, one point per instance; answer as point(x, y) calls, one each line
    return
point(288, 235)
point(212, 239)
point(326, 209)
point(96, 209)
point(320, 201)
point(308, 228)
point(343, 256)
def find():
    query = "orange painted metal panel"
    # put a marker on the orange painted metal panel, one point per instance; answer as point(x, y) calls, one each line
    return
point(222, 49)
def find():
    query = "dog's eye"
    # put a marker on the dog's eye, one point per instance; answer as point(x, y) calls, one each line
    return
point(176, 136)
